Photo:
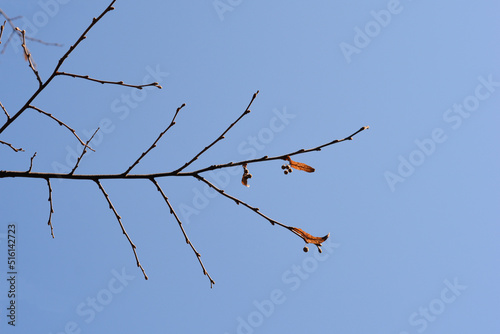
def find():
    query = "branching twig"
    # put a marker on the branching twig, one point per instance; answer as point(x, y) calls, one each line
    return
point(4, 110)
point(279, 157)
point(31, 163)
point(61, 123)
point(120, 83)
point(9, 20)
point(59, 64)
point(212, 282)
point(156, 141)
point(27, 53)
point(12, 147)
point(83, 152)
point(123, 228)
point(51, 208)
point(247, 110)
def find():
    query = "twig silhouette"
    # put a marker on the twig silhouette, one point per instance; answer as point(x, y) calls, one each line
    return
point(205, 272)
point(27, 55)
point(12, 147)
point(4, 110)
point(51, 208)
point(56, 69)
point(9, 20)
point(120, 83)
point(156, 141)
point(83, 152)
point(61, 123)
point(247, 110)
point(123, 228)
point(31, 163)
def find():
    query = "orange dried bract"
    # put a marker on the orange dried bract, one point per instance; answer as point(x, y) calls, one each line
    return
point(300, 165)
point(309, 239)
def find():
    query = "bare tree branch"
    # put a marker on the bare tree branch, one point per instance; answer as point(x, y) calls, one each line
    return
point(83, 152)
point(156, 141)
point(12, 147)
point(303, 235)
point(59, 64)
point(123, 228)
point(31, 162)
point(51, 209)
point(120, 83)
point(28, 57)
point(61, 123)
point(247, 110)
point(4, 110)
point(212, 282)
point(173, 173)
point(279, 157)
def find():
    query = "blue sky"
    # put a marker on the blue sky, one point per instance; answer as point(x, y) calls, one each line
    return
point(411, 205)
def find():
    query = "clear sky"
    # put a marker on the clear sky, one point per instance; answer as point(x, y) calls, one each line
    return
point(411, 205)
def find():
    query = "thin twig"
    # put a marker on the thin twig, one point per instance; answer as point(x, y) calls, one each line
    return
point(83, 152)
point(238, 201)
point(9, 20)
point(8, 41)
point(31, 163)
point(120, 83)
point(27, 53)
point(156, 141)
point(123, 228)
point(247, 110)
point(4, 110)
point(61, 123)
point(279, 157)
point(205, 272)
point(292, 229)
point(43, 42)
point(12, 147)
point(51, 209)
point(56, 69)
